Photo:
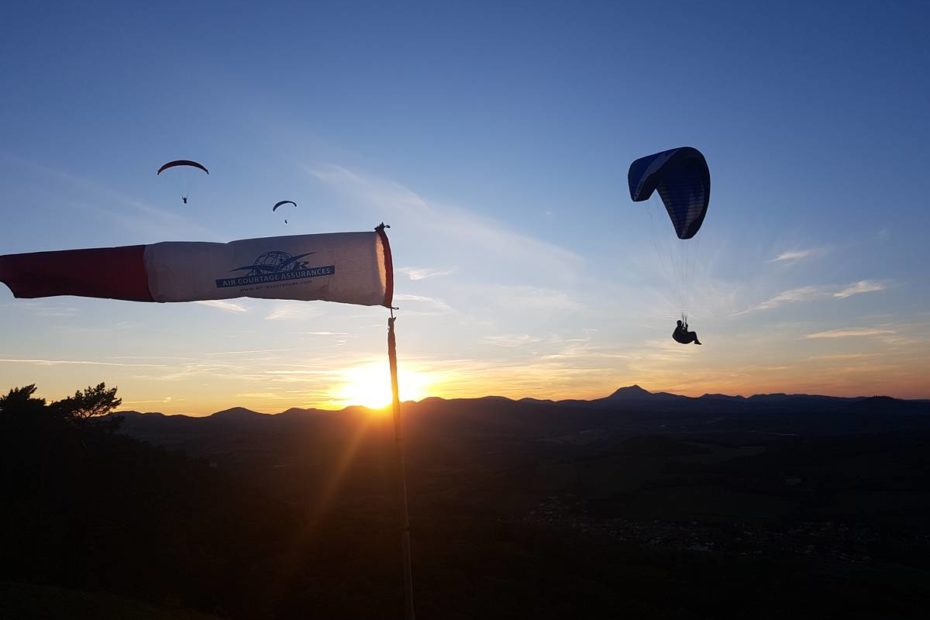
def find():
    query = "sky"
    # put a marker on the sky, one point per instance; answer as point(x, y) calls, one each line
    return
point(494, 138)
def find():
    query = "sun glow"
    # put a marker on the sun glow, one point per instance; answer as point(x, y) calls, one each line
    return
point(369, 385)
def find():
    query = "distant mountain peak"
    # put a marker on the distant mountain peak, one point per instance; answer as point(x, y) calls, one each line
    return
point(631, 391)
point(235, 412)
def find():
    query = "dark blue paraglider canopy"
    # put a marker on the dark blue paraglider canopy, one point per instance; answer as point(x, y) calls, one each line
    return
point(683, 180)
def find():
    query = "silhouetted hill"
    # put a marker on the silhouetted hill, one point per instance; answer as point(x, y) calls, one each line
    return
point(636, 394)
point(630, 398)
point(632, 392)
point(91, 511)
point(237, 413)
point(297, 411)
point(633, 505)
point(630, 410)
point(722, 397)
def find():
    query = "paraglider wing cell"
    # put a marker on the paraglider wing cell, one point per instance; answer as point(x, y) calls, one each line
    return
point(683, 180)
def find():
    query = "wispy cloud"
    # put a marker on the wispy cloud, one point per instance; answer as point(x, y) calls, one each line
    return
point(290, 310)
point(862, 286)
point(250, 353)
point(851, 333)
point(811, 293)
point(511, 340)
point(52, 309)
point(281, 313)
point(301, 372)
point(793, 256)
point(580, 353)
point(424, 273)
point(842, 357)
point(426, 304)
point(446, 224)
point(165, 400)
point(44, 362)
point(792, 296)
point(225, 306)
point(533, 298)
point(262, 395)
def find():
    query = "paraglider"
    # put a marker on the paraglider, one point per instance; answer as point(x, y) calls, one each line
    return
point(182, 162)
point(682, 335)
point(282, 202)
point(682, 179)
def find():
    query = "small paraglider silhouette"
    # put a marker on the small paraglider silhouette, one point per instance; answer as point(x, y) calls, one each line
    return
point(182, 162)
point(282, 202)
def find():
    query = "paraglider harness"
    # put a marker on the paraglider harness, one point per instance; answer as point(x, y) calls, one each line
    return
point(681, 334)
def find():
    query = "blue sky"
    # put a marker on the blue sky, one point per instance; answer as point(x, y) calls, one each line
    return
point(495, 139)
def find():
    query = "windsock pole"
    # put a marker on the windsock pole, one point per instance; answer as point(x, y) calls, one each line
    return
point(409, 613)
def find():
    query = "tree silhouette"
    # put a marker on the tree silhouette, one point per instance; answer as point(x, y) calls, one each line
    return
point(19, 401)
point(87, 404)
point(88, 509)
point(20, 409)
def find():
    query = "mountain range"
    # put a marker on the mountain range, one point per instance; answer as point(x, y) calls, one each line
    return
point(626, 412)
point(623, 397)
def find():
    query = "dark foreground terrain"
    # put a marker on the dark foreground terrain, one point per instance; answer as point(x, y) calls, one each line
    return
point(639, 505)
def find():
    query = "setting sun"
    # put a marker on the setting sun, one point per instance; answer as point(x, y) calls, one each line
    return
point(369, 385)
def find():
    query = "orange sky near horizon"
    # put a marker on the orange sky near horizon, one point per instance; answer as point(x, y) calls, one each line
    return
point(250, 381)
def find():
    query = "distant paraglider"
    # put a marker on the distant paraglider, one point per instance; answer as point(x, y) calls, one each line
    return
point(280, 203)
point(182, 162)
point(683, 180)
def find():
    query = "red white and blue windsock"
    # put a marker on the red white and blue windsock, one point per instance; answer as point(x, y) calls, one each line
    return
point(352, 268)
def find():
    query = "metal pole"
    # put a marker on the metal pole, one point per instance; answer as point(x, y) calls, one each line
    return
point(409, 613)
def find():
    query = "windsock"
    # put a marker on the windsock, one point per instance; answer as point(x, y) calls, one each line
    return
point(351, 268)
